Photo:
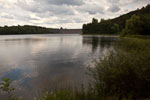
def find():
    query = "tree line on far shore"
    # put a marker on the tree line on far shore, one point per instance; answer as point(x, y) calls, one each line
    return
point(26, 29)
point(134, 23)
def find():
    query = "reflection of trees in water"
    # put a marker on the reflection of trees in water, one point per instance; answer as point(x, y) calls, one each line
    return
point(99, 42)
point(92, 42)
point(107, 42)
point(95, 42)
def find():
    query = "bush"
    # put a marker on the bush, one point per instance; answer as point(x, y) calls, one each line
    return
point(125, 72)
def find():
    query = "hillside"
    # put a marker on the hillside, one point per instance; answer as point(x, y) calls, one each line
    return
point(121, 21)
point(116, 25)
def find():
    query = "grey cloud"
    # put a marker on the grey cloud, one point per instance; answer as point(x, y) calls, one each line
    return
point(23, 17)
point(52, 9)
point(34, 7)
point(28, 18)
point(91, 9)
point(133, 2)
point(113, 1)
point(65, 20)
point(114, 8)
point(146, 1)
point(1, 7)
point(73, 20)
point(7, 16)
point(60, 21)
point(61, 2)
point(114, 5)
point(78, 20)
point(62, 10)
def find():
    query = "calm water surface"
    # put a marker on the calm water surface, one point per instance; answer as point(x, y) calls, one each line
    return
point(37, 62)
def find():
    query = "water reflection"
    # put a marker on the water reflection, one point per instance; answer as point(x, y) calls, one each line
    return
point(99, 42)
point(36, 62)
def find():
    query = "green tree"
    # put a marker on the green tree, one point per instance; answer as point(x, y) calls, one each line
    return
point(146, 26)
point(115, 28)
point(134, 25)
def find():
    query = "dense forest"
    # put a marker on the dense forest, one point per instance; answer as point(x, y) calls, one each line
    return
point(26, 29)
point(135, 22)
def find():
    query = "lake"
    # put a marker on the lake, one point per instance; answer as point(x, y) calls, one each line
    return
point(38, 62)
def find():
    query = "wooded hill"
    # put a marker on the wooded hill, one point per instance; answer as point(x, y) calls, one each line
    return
point(117, 25)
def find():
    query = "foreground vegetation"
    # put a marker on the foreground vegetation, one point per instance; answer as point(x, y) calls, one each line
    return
point(123, 74)
point(126, 72)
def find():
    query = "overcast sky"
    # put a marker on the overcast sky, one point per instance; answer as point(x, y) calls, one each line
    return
point(63, 13)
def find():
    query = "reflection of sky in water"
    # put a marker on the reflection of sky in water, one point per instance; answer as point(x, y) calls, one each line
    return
point(13, 74)
point(36, 62)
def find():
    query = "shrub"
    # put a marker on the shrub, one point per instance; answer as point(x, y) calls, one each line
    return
point(124, 72)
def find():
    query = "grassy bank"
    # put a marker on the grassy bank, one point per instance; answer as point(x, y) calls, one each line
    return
point(123, 74)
